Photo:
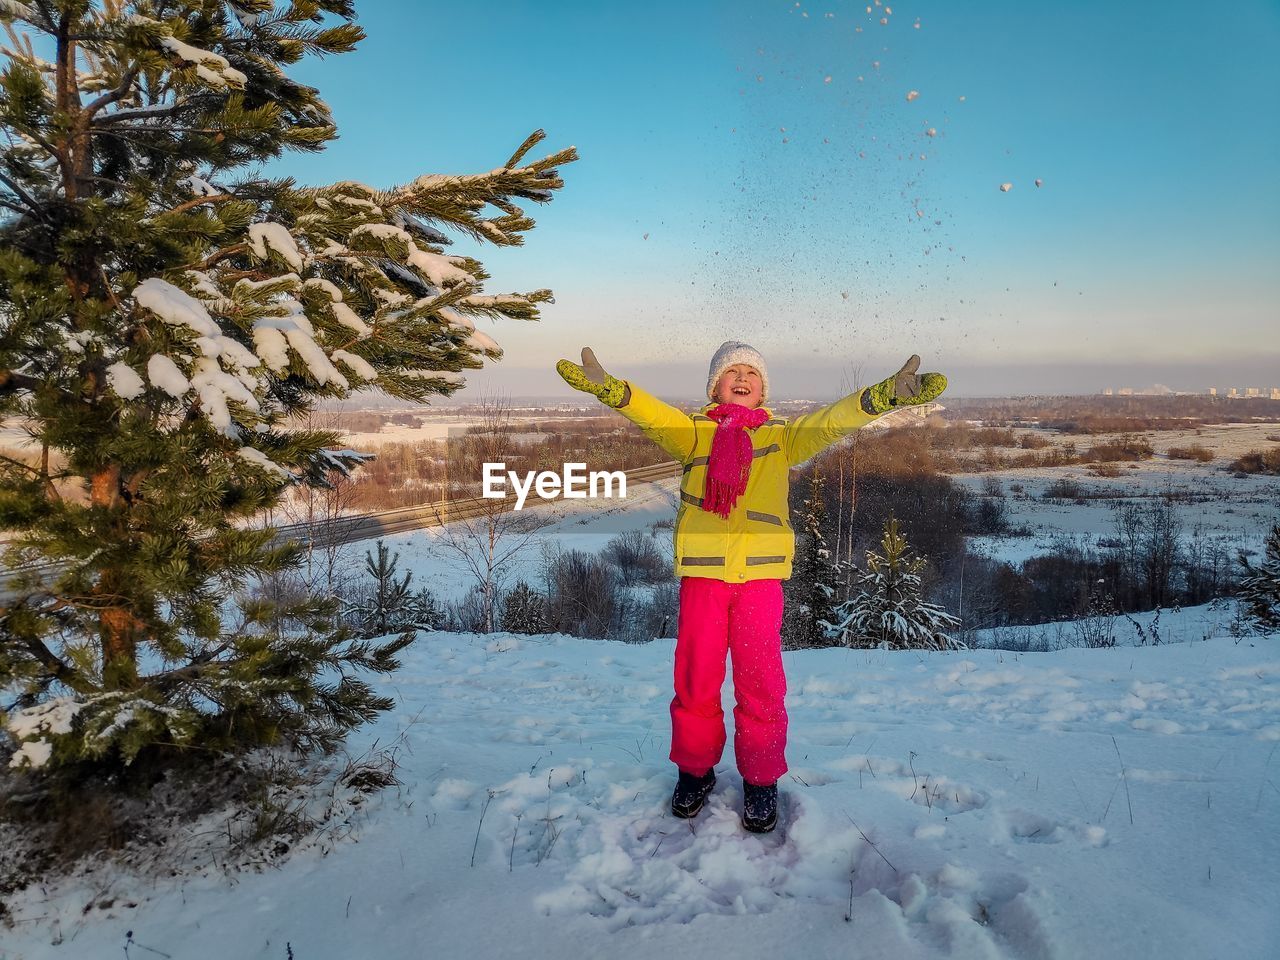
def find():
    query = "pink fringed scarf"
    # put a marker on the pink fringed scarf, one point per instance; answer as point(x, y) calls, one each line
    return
point(729, 465)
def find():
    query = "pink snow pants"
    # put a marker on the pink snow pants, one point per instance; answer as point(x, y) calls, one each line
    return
point(745, 620)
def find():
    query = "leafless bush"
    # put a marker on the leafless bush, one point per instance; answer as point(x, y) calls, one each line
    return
point(488, 544)
point(994, 437)
point(1122, 448)
point(1064, 488)
point(638, 558)
point(989, 516)
point(582, 594)
point(1258, 461)
point(1196, 452)
point(1097, 627)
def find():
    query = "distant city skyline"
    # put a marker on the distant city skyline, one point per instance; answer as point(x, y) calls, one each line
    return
point(761, 171)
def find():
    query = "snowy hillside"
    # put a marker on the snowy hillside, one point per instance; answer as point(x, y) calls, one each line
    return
point(985, 804)
point(1082, 803)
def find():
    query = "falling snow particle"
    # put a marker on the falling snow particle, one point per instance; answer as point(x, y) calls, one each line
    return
point(1039, 182)
point(912, 94)
point(1006, 187)
point(826, 79)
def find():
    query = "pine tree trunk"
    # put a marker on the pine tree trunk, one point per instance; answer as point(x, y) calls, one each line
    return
point(119, 625)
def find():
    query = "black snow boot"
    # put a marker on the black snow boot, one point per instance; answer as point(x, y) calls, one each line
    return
point(691, 792)
point(759, 807)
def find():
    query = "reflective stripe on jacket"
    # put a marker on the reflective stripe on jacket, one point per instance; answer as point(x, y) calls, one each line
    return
point(756, 542)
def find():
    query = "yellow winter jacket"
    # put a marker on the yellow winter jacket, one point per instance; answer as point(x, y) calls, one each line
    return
point(756, 542)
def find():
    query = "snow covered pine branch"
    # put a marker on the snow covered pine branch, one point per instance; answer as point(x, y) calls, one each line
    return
point(163, 320)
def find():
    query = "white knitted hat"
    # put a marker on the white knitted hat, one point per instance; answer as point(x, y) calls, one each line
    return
point(732, 352)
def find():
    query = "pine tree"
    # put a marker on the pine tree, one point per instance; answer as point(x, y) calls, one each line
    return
point(811, 591)
point(1259, 592)
point(888, 611)
point(164, 319)
point(386, 605)
point(423, 611)
point(524, 610)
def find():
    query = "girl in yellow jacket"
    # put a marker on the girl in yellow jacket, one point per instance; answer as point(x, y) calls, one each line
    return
point(733, 548)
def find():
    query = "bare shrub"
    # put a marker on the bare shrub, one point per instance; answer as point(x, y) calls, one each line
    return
point(989, 517)
point(582, 594)
point(994, 437)
point(1196, 451)
point(1121, 448)
point(1096, 628)
point(486, 545)
point(1258, 461)
point(1064, 488)
point(638, 558)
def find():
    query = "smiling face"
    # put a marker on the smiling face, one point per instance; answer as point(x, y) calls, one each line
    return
point(740, 384)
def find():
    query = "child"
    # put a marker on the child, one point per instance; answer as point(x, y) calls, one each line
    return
point(733, 549)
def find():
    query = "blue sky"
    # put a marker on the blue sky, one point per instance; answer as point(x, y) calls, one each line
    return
point(1149, 253)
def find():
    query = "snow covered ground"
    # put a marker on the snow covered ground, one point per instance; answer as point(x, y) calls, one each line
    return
point(983, 804)
point(1237, 511)
point(1083, 803)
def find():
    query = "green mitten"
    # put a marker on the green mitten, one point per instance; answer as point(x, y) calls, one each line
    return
point(904, 388)
point(591, 378)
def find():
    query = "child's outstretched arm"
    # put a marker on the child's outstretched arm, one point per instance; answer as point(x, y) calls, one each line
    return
point(669, 428)
point(813, 432)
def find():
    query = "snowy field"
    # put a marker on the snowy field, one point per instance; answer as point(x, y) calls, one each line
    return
point(1237, 511)
point(1084, 803)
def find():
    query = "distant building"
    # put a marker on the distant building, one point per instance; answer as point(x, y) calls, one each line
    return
point(1107, 392)
point(1125, 392)
point(1213, 391)
point(1233, 392)
point(1275, 393)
